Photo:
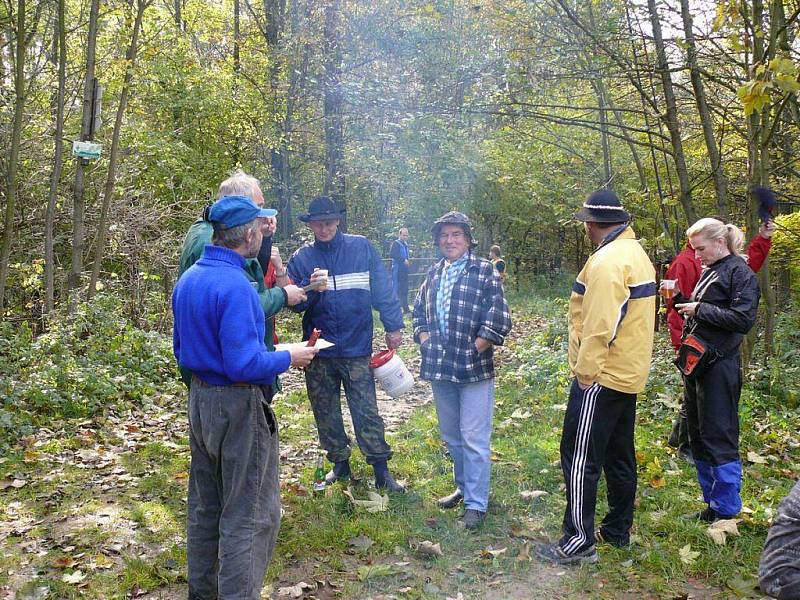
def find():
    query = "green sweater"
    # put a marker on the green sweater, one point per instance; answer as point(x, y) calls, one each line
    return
point(272, 299)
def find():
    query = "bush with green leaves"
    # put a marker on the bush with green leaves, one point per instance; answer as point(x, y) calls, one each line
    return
point(84, 364)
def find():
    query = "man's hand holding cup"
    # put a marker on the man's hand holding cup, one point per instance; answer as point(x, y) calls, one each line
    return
point(319, 279)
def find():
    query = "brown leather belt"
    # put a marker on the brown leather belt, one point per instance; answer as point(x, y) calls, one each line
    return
point(239, 384)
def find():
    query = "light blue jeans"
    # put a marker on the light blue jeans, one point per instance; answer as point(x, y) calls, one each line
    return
point(465, 422)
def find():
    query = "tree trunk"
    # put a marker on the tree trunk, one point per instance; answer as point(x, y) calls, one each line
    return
point(604, 143)
point(671, 120)
point(102, 227)
point(79, 203)
point(13, 151)
point(332, 109)
point(55, 177)
point(717, 172)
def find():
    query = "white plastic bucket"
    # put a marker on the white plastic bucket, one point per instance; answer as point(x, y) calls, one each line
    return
point(391, 373)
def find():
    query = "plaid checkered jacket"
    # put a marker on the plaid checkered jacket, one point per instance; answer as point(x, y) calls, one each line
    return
point(478, 308)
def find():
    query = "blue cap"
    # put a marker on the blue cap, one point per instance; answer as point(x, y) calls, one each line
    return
point(232, 211)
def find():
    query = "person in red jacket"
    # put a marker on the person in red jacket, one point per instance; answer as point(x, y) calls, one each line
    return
point(685, 268)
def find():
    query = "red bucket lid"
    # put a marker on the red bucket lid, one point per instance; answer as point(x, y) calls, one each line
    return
point(381, 358)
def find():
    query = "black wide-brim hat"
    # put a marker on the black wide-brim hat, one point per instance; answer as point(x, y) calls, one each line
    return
point(322, 208)
point(602, 206)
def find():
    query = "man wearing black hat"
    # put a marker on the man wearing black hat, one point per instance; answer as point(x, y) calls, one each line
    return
point(611, 324)
point(357, 282)
point(460, 314)
point(234, 492)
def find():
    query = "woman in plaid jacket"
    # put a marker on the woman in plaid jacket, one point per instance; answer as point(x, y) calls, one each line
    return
point(460, 314)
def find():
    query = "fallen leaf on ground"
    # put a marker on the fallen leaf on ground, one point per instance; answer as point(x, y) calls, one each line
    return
point(756, 458)
point(429, 548)
point(101, 561)
point(372, 571)
point(719, 530)
point(295, 591)
point(487, 552)
point(74, 577)
point(532, 494)
point(745, 588)
point(519, 531)
point(64, 562)
point(688, 555)
point(376, 502)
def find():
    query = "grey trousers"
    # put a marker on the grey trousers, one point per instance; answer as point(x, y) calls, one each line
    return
point(779, 570)
point(234, 494)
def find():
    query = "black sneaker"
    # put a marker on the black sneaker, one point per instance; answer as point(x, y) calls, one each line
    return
point(707, 515)
point(685, 453)
point(451, 501)
point(553, 553)
point(473, 518)
point(599, 538)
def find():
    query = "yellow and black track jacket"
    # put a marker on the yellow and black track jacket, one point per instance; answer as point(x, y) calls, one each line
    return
point(612, 315)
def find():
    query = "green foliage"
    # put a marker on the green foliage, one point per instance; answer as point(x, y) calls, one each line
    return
point(79, 367)
point(786, 244)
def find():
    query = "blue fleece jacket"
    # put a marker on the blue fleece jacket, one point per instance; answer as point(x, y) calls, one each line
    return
point(219, 323)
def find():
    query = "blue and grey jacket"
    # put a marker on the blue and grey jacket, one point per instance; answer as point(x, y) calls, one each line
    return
point(357, 283)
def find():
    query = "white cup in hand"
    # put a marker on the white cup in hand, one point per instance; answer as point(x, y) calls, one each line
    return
point(319, 279)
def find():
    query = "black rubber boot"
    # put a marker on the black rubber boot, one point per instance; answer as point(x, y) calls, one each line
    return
point(339, 472)
point(674, 439)
point(384, 479)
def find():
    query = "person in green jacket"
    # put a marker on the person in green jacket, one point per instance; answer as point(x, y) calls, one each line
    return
point(272, 299)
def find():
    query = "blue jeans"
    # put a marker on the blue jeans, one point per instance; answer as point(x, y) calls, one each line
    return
point(465, 421)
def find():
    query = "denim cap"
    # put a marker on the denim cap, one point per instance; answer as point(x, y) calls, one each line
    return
point(232, 211)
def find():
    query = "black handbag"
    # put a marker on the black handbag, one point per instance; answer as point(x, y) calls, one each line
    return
point(694, 355)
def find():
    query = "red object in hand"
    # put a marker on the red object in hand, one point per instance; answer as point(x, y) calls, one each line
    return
point(312, 339)
point(381, 358)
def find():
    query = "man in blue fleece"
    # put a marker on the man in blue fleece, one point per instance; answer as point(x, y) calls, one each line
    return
point(234, 497)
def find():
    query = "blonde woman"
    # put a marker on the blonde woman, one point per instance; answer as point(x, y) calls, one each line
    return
point(720, 311)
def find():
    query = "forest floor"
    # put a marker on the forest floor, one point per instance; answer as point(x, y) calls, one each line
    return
point(97, 508)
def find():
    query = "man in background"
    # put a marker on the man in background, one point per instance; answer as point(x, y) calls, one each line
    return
point(400, 265)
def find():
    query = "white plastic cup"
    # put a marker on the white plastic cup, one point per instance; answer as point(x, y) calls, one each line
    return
point(668, 288)
point(391, 373)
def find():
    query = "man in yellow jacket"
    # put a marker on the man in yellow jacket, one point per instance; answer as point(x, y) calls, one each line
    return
point(611, 324)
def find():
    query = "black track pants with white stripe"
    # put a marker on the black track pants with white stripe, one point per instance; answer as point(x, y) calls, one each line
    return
point(598, 437)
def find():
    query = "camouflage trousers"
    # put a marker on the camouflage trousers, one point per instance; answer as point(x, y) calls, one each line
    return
point(324, 380)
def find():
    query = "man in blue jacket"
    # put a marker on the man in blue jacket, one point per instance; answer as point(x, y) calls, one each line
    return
point(400, 265)
point(234, 492)
point(357, 282)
